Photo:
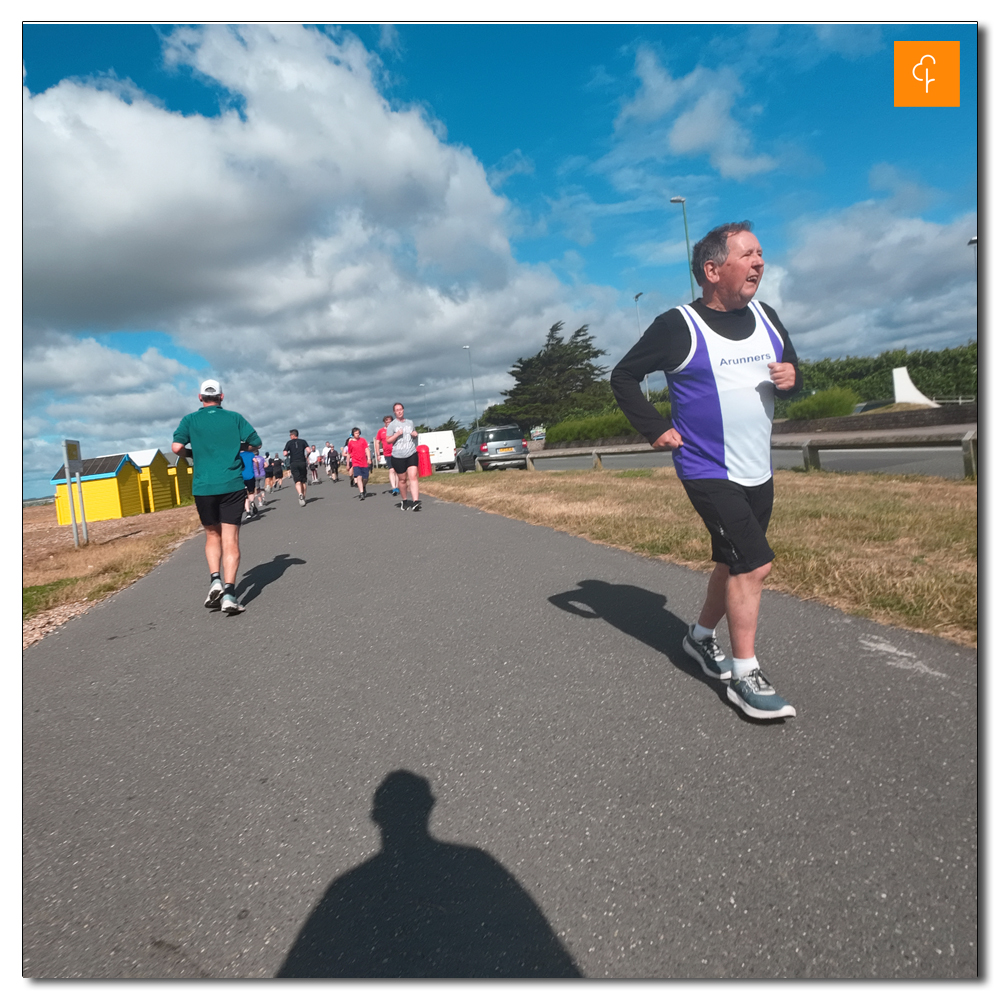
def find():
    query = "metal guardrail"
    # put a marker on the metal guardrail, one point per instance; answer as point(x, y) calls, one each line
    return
point(810, 447)
point(969, 440)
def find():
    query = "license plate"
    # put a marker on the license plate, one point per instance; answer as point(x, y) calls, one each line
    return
point(499, 450)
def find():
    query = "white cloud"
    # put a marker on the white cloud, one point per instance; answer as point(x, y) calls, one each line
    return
point(324, 251)
point(389, 40)
point(852, 41)
point(867, 279)
point(687, 116)
point(515, 162)
point(64, 364)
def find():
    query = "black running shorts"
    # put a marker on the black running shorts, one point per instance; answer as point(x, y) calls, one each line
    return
point(737, 518)
point(221, 508)
point(400, 465)
point(299, 471)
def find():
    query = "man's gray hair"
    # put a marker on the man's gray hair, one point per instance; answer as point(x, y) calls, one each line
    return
point(714, 246)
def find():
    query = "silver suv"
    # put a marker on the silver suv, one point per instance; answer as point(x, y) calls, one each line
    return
point(494, 447)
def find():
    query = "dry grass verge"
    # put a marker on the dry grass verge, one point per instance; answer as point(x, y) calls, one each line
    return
point(901, 550)
point(60, 581)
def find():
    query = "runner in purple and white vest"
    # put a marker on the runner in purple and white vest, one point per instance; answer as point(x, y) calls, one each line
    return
point(725, 359)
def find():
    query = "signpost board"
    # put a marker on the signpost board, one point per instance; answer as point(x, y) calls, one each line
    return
point(74, 467)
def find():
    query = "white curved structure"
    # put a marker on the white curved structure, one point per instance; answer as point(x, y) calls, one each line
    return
point(905, 391)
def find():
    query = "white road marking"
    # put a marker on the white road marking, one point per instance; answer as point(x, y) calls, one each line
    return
point(898, 657)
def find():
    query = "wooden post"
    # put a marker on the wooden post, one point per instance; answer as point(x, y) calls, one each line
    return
point(598, 464)
point(83, 516)
point(68, 448)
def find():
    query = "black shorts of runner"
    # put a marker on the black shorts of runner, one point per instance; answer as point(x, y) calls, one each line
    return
point(251, 486)
point(221, 508)
point(737, 518)
point(298, 470)
point(360, 472)
point(400, 465)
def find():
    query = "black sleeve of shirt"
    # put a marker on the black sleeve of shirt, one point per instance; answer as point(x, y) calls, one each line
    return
point(664, 345)
point(788, 353)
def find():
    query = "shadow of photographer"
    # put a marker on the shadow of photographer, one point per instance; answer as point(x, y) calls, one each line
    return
point(423, 908)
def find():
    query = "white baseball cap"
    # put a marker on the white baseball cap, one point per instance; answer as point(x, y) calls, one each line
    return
point(210, 387)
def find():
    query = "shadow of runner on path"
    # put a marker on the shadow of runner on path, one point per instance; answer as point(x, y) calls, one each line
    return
point(423, 908)
point(636, 612)
point(257, 578)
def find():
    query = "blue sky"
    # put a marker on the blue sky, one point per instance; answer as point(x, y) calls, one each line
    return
point(323, 217)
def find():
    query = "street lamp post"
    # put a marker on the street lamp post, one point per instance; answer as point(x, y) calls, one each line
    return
point(475, 405)
point(677, 199)
point(638, 326)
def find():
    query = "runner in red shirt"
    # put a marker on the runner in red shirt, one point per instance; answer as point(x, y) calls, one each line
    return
point(361, 457)
point(383, 450)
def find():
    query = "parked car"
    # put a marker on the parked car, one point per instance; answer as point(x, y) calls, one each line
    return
point(495, 447)
point(441, 445)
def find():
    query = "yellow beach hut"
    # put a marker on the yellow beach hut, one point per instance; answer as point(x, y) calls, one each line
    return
point(181, 473)
point(111, 489)
point(156, 486)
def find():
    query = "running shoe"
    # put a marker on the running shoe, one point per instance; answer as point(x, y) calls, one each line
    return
point(361, 496)
point(414, 505)
point(755, 695)
point(230, 606)
point(395, 493)
point(707, 653)
point(406, 505)
point(214, 594)
point(302, 501)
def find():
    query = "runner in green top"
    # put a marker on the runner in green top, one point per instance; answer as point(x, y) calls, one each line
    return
point(213, 438)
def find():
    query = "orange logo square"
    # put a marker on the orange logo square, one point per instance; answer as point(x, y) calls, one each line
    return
point(925, 74)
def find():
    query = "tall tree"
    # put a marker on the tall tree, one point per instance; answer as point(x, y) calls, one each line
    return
point(563, 376)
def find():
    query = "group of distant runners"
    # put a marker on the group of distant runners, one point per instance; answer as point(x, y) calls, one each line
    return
point(725, 359)
point(231, 477)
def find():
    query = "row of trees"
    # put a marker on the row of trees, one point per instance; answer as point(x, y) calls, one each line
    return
point(565, 382)
point(946, 374)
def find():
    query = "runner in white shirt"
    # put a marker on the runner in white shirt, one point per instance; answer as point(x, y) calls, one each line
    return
point(401, 435)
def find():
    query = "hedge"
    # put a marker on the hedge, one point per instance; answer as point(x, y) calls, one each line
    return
point(607, 425)
point(837, 402)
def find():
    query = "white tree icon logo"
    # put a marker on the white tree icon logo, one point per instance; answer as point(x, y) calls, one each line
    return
point(926, 79)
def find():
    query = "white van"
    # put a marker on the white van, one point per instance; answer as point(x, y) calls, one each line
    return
point(442, 448)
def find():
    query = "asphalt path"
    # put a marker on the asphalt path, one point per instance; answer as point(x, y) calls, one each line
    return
point(933, 461)
point(199, 790)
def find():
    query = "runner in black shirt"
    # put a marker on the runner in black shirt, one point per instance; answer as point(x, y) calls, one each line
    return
point(295, 452)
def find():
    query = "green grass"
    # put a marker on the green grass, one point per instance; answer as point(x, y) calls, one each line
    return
point(901, 550)
point(43, 596)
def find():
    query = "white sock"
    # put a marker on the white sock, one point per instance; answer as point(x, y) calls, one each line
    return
point(743, 667)
point(700, 632)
